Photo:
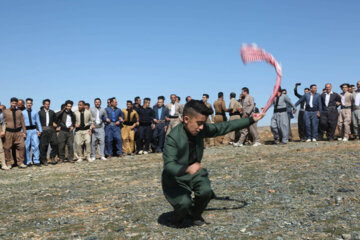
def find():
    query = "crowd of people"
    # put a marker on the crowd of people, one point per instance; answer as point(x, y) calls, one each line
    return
point(29, 137)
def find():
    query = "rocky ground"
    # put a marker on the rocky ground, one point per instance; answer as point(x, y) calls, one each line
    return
point(294, 191)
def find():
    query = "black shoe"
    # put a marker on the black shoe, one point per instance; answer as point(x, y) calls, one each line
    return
point(199, 221)
point(53, 162)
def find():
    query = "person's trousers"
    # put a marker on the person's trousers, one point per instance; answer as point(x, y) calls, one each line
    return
point(290, 136)
point(311, 124)
point(328, 122)
point(253, 131)
point(172, 123)
point(32, 141)
point(301, 125)
point(128, 138)
point(143, 142)
point(218, 139)
point(47, 137)
point(2, 155)
point(15, 139)
point(66, 139)
point(158, 137)
point(356, 121)
point(344, 122)
point(280, 126)
point(178, 190)
point(98, 135)
point(82, 137)
point(234, 134)
point(113, 133)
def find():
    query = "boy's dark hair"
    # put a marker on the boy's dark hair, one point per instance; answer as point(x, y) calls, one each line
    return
point(220, 94)
point(87, 104)
point(186, 99)
point(69, 102)
point(63, 106)
point(136, 98)
point(178, 98)
point(147, 99)
point(312, 85)
point(233, 95)
point(29, 99)
point(307, 89)
point(82, 101)
point(129, 101)
point(245, 89)
point(206, 95)
point(14, 99)
point(97, 99)
point(46, 100)
point(196, 107)
point(161, 97)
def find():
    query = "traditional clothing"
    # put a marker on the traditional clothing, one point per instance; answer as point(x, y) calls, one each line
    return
point(33, 125)
point(112, 131)
point(98, 134)
point(131, 118)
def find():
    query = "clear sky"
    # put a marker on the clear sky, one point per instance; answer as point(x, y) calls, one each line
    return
point(85, 49)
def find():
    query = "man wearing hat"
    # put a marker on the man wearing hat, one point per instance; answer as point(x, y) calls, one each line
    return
point(312, 112)
point(280, 120)
point(344, 119)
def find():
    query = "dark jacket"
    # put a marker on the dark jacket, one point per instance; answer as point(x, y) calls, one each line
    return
point(334, 98)
point(146, 116)
point(317, 105)
point(62, 120)
point(164, 113)
point(52, 117)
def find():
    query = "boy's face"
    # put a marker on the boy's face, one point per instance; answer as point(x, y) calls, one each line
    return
point(194, 124)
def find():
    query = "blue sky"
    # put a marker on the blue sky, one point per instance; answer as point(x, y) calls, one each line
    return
point(86, 49)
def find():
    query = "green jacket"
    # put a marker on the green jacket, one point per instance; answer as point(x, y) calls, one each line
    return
point(176, 148)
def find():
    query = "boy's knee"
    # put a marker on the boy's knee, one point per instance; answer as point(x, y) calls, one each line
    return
point(184, 203)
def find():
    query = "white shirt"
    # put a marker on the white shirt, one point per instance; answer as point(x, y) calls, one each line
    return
point(47, 117)
point(97, 120)
point(172, 111)
point(327, 98)
point(68, 121)
point(357, 99)
point(311, 100)
point(343, 100)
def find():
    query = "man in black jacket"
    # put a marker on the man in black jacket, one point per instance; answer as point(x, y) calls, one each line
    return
point(48, 136)
point(66, 121)
point(146, 119)
point(329, 116)
point(301, 122)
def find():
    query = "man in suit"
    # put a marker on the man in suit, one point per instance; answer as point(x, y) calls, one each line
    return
point(183, 173)
point(329, 115)
point(98, 134)
point(220, 115)
point(33, 132)
point(131, 120)
point(48, 121)
point(83, 131)
point(13, 136)
point(175, 113)
point(248, 105)
point(301, 121)
point(356, 111)
point(160, 125)
point(344, 119)
point(146, 119)
point(312, 112)
point(66, 121)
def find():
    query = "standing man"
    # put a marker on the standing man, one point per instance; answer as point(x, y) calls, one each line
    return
point(112, 129)
point(83, 130)
point(290, 116)
point(248, 105)
point(21, 104)
point(280, 120)
point(160, 125)
point(312, 112)
point(2, 125)
point(66, 121)
point(234, 113)
point(344, 119)
point(137, 103)
point(33, 132)
point(187, 99)
point(301, 121)
point(48, 136)
point(356, 111)
point(220, 115)
point(98, 133)
point(183, 173)
point(205, 99)
point(146, 118)
point(131, 120)
point(329, 115)
point(175, 113)
point(13, 136)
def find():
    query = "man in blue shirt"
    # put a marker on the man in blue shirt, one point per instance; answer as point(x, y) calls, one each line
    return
point(113, 121)
point(160, 125)
point(33, 130)
point(312, 112)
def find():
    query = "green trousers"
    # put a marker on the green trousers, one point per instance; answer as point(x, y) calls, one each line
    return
point(177, 191)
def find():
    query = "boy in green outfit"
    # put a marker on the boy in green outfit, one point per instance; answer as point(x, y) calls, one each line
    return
point(183, 151)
